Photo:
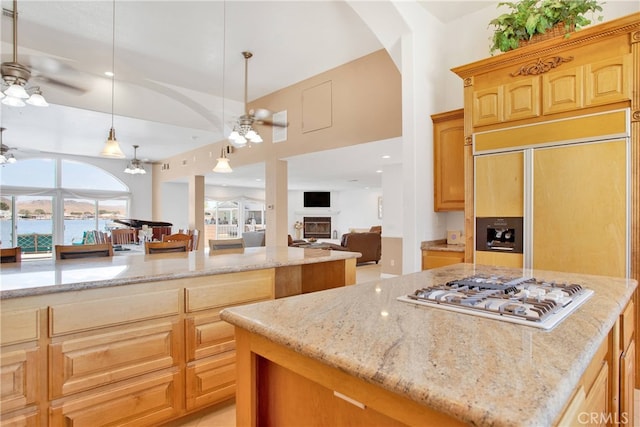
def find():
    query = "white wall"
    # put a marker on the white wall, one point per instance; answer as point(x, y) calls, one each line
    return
point(175, 205)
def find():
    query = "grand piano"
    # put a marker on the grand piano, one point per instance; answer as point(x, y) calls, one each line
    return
point(159, 228)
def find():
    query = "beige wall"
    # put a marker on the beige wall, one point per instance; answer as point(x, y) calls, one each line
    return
point(366, 106)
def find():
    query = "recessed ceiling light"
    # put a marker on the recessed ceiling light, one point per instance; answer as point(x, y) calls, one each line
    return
point(379, 171)
point(108, 73)
point(258, 179)
point(386, 156)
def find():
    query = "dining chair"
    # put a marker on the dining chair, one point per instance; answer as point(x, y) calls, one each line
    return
point(164, 247)
point(11, 254)
point(195, 236)
point(83, 251)
point(178, 237)
point(123, 236)
point(223, 244)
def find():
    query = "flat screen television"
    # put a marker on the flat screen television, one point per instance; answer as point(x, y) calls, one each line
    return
point(317, 199)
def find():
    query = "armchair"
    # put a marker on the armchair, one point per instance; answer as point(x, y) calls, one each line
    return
point(369, 244)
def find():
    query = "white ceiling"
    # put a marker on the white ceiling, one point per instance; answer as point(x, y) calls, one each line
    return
point(170, 79)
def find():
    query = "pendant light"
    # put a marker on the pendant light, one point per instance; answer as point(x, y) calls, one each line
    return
point(223, 162)
point(112, 147)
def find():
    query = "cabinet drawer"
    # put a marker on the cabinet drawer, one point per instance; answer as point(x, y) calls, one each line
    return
point(18, 379)
point(145, 402)
point(84, 363)
point(19, 326)
point(628, 325)
point(434, 259)
point(83, 316)
point(208, 335)
point(28, 419)
point(231, 289)
point(211, 380)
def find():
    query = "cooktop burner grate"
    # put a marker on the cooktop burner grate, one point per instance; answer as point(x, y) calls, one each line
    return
point(527, 301)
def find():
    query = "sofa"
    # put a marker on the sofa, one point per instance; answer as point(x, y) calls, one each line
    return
point(369, 244)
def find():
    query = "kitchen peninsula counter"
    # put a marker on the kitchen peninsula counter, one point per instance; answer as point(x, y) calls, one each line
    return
point(38, 277)
point(416, 365)
point(137, 340)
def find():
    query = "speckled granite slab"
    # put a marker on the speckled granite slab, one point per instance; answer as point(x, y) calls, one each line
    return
point(38, 277)
point(440, 245)
point(481, 371)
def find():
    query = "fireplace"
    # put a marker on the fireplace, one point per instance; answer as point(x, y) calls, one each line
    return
point(318, 227)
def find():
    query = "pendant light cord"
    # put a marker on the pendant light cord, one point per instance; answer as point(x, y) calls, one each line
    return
point(113, 59)
point(224, 56)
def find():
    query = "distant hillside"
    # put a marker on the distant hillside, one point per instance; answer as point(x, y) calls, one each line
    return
point(43, 205)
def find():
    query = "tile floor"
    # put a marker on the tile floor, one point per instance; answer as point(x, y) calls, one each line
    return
point(224, 414)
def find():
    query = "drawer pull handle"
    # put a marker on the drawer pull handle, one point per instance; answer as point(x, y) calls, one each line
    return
point(348, 399)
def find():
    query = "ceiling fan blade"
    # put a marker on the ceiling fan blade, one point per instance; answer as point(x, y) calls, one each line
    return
point(271, 123)
point(60, 83)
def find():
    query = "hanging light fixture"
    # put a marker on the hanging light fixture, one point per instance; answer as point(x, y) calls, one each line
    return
point(223, 165)
point(243, 131)
point(15, 76)
point(111, 146)
point(5, 156)
point(135, 166)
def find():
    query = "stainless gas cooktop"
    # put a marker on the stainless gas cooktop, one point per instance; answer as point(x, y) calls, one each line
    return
point(528, 301)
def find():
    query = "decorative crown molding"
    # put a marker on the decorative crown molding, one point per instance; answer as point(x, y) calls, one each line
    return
point(541, 66)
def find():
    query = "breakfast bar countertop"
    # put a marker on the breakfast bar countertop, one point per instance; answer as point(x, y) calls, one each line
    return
point(478, 370)
point(38, 277)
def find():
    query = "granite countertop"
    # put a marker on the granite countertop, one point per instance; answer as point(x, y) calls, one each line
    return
point(441, 245)
point(481, 371)
point(37, 277)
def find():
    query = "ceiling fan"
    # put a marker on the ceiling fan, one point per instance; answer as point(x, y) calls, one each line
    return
point(243, 131)
point(15, 76)
point(5, 156)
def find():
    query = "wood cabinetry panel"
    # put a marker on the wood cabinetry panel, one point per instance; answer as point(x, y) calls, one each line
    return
point(208, 335)
point(29, 419)
point(608, 81)
point(18, 379)
point(562, 90)
point(628, 324)
point(500, 185)
point(522, 99)
point(627, 384)
point(211, 380)
point(561, 174)
point(19, 326)
point(487, 106)
point(144, 402)
point(448, 160)
point(91, 314)
point(230, 289)
point(435, 259)
point(85, 363)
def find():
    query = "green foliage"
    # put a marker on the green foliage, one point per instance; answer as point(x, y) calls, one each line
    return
point(530, 17)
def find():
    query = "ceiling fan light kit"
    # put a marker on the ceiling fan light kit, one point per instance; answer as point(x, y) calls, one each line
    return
point(15, 76)
point(5, 156)
point(135, 166)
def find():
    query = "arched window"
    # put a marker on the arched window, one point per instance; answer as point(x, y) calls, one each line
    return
point(50, 201)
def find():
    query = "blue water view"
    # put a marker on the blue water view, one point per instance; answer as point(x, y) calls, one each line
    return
point(74, 228)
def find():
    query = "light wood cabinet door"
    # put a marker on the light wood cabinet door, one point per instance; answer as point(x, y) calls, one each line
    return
point(590, 237)
point(608, 81)
point(627, 384)
point(435, 259)
point(499, 182)
point(448, 160)
point(488, 106)
point(84, 363)
point(143, 402)
point(522, 99)
point(562, 91)
point(19, 379)
point(211, 380)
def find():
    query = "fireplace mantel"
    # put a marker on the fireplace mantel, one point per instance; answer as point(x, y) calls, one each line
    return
point(317, 212)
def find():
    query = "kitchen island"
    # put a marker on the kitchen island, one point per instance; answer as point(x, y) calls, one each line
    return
point(361, 355)
point(137, 339)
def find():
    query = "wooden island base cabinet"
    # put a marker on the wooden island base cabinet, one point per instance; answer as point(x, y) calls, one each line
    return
point(280, 387)
point(140, 354)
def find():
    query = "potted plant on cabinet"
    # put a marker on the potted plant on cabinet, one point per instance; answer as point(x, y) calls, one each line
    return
point(529, 20)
